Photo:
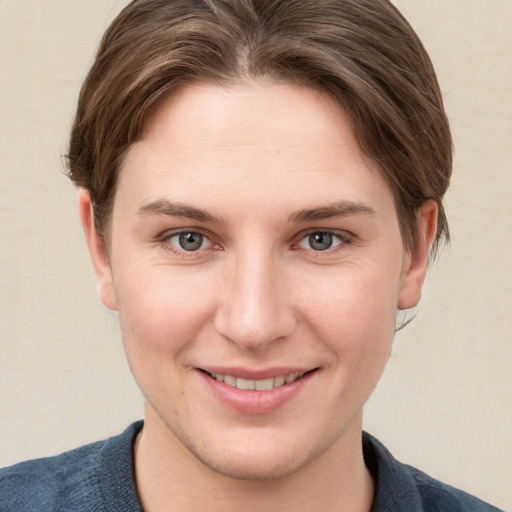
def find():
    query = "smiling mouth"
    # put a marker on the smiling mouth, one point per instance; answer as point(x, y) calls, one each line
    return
point(257, 385)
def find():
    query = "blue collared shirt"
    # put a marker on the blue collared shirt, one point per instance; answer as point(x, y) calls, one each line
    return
point(100, 477)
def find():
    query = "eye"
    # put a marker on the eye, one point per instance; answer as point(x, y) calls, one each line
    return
point(189, 241)
point(321, 240)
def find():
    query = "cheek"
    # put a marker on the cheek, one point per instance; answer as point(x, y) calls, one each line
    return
point(161, 313)
point(353, 315)
point(359, 297)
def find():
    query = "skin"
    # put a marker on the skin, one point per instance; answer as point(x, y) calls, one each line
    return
point(267, 165)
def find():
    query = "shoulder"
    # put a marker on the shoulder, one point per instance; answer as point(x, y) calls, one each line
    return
point(49, 483)
point(438, 496)
point(400, 487)
point(71, 481)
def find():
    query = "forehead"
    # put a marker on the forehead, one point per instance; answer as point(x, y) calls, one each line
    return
point(248, 140)
point(259, 111)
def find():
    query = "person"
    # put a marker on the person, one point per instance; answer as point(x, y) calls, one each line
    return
point(261, 188)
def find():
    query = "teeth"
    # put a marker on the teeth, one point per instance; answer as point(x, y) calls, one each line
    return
point(230, 381)
point(264, 385)
point(279, 381)
point(258, 385)
point(245, 384)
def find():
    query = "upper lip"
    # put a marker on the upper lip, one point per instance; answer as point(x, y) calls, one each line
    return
point(253, 374)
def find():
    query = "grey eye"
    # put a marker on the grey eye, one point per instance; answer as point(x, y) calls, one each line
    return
point(190, 241)
point(320, 241)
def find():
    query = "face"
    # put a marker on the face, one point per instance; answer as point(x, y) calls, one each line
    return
point(257, 266)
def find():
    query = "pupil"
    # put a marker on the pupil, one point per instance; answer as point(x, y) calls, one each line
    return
point(191, 241)
point(320, 241)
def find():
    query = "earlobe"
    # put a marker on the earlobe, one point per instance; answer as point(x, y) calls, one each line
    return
point(99, 256)
point(416, 262)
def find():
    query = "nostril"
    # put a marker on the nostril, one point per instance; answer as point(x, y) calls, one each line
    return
point(254, 328)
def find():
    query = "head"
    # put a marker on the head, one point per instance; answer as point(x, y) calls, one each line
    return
point(264, 182)
point(363, 54)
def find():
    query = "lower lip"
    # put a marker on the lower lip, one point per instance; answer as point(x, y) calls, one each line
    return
point(255, 402)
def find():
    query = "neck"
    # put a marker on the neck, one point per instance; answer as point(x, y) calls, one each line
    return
point(169, 478)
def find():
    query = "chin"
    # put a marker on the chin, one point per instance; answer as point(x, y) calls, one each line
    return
point(260, 466)
point(247, 454)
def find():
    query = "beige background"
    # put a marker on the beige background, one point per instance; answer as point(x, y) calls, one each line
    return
point(445, 401)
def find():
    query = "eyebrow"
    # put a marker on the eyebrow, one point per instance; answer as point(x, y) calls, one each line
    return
point(165, 207)
point(172, 209)
point(338, 209)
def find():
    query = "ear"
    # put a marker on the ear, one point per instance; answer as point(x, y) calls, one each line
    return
point(416, 261)
point(99, 256)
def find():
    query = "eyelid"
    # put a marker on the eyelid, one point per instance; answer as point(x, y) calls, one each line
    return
point(164, 240)
point(344, 237)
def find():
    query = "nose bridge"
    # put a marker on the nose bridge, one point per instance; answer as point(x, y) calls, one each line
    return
point(254, 309)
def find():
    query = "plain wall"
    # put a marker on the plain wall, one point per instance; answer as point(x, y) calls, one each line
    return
point(445, 401)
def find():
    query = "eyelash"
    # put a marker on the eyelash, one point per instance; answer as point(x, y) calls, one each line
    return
point(343, 238)
point(165, 241)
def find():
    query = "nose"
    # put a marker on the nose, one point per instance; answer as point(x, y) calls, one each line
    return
point(255, 309)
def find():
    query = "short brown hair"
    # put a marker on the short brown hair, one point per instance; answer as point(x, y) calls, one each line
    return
point(363, 53)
